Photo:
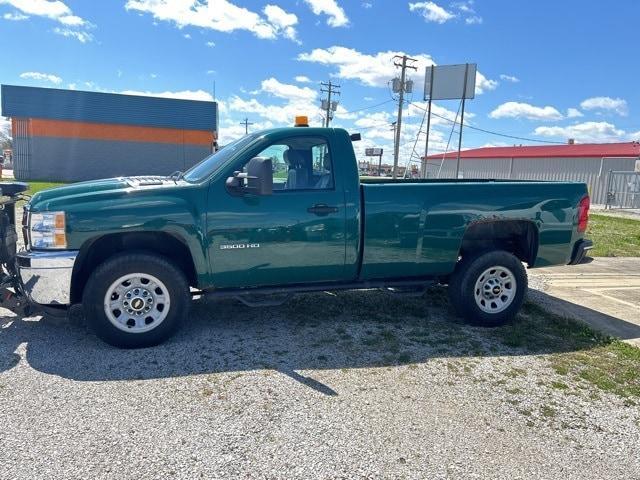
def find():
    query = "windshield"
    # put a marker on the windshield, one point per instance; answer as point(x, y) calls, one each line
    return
point(206, 167)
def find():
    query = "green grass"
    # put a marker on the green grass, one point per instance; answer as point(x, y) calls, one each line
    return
point(612, 367)
point(35, 187)
point(614, 236)
point(576, 351)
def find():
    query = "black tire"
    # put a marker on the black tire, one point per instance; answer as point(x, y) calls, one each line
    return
point(462, 288)
point(177, 292)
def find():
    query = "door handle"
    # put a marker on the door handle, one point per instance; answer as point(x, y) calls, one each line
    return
point(322, 209)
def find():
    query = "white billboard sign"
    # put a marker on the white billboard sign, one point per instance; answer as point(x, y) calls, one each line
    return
point(373, 152)
point(446, 82)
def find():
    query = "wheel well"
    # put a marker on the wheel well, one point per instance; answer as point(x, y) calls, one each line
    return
point(94, 252)
point(519, 237)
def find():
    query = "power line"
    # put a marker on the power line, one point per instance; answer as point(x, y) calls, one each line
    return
point(377, 125)
point(413, 150)
point(369, 107)
point(466, 125)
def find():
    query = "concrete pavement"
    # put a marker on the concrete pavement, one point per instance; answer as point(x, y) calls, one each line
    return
point(604, 293)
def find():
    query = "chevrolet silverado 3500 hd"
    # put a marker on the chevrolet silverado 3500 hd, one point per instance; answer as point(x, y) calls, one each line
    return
point(284, 211)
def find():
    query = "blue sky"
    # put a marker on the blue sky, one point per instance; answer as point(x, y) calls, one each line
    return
point(549, 70)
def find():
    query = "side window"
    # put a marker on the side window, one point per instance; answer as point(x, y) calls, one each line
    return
point(300, 163)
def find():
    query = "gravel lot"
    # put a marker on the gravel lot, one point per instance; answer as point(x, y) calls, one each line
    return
point(354, 385)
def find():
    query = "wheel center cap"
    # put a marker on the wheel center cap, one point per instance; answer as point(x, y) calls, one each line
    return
point(137, 303)
point(496, 290)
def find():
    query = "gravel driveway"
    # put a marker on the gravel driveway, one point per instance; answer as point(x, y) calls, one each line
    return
point(354, 385)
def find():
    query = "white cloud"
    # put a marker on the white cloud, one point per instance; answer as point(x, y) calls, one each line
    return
point(574, 113)
point(42, 77)
point(55, 9)
point(187, 36)
point(464, 6)
point(210, 44)
point(378, 69)
point(282, 21)
point(280, 114)
point(376, 131)
point(302, 79)
point(288, 101)
point(375, 119)
point(16, 17)
point(432, 12)
point(617, 105)
point(525, 110)
point(342, 113)
point(71, 21)
point(73, 25)
point(509, 78)
point(466, 9)
point(371, 70)
point(483, 84)
point(337, 17)
point(219, 15)
point(231, 130)
point(184, 94)
point(81, 36)
point(419, 108)
point(585, 132)
point(287, 91)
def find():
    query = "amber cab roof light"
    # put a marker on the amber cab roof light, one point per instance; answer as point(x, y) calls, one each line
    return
point(302, 121)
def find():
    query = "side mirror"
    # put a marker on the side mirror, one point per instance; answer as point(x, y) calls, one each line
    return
point(258, 179)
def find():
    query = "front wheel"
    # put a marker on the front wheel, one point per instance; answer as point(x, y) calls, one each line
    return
point(136, 300)
point(488, 289)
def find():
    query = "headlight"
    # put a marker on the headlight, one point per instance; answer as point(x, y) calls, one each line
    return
point(47, 230)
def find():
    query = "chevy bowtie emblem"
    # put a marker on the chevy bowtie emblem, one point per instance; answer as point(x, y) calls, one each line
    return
point(137, 303)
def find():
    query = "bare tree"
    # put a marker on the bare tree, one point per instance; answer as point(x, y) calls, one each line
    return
point(5, 135)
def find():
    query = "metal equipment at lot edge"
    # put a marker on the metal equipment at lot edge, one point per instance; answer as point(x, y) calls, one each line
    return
point(623, 190)
point(11, 292)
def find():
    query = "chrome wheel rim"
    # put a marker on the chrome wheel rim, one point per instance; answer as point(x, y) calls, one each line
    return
point(137, 303)
point(495, 289)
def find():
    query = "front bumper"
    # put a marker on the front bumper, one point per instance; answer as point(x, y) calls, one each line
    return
point(580, 250)
point(46, 276)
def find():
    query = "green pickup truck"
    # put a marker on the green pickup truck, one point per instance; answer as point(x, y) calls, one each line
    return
point(284, 211)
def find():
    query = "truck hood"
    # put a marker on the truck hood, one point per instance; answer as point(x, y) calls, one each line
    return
point(102, 188)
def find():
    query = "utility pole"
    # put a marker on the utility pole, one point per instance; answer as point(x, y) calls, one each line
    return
point(402, 88)
point(246, 124)
point(327, 105)
point(394, 126)
point(464, 97)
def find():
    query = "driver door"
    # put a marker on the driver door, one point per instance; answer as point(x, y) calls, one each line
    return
point(295, 235)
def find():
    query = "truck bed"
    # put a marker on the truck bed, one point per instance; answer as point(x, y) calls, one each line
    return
point(414, 228)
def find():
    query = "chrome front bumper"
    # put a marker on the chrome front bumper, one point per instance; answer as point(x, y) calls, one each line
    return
point(46, 276)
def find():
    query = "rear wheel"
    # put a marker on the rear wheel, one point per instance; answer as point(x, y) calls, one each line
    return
point(136, 300)
point(488, 289)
